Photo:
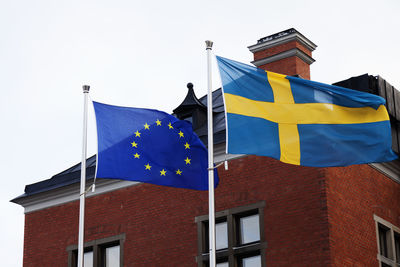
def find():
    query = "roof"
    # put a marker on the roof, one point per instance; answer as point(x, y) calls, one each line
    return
point(218, 119)
point(72, 175)
point(194, 110)
point(69, 176)
point(190, 102)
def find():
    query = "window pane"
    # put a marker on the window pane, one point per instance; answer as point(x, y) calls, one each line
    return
point(221, 235)
point(88, 259)
point(383, 240)
point(254, 261)
point(249, 229)
point(397, 246)
point(223, 264)
point(189, 119)
point(112, 256)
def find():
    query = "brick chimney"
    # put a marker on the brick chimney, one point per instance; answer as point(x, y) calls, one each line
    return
point(287, 52)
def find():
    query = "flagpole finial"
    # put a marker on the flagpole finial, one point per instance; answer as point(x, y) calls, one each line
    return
point(209, 44)
point(86, 88)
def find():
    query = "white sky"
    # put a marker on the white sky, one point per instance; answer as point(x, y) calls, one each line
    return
point(142, 54)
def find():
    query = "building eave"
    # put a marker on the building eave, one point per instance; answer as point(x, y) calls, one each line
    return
point(69, 193)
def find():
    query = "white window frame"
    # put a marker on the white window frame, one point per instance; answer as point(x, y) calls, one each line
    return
point(392, 260)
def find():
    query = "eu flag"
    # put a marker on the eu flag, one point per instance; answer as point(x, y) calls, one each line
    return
point(302, 122)
point(149, 146)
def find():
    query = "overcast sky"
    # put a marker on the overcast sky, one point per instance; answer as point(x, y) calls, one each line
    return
point(142, 54)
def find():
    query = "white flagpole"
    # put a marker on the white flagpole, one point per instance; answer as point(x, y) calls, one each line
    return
point(83, 178)
point(211, 203)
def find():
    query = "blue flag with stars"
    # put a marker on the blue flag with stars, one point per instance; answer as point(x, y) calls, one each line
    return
point(149, 146)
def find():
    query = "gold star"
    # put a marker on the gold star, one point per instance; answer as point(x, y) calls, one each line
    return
point(180, 134)
point(170, 126)
point(134, 144)
point(146, 126)
point(148, 167)
point(158, 122)
point(137, 134)
point(187, 146)
point(187, 160)
point(137, 156)
point(178, 171)
point(163, 172)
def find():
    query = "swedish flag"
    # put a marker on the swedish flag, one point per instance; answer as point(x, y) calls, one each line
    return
point(149, 146)
point(302, 122)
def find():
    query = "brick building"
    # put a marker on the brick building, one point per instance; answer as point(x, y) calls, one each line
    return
point(268, 213)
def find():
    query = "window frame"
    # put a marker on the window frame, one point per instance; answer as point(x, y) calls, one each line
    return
point(98, 247)
point(392, 259)
point(235, 251)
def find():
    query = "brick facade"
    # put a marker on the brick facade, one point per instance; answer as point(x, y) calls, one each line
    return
point(279, 49)
point(289, 66)
point(312, 217)
point(355, 194)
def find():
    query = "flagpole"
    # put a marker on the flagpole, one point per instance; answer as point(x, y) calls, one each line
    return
point(83, 178)
point(211, 201)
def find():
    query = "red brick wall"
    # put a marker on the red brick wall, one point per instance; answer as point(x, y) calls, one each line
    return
point(295, 214)
point(279, 49)
point(289, 66)
point(159, 221)
point(313, 216)
point(354, 195)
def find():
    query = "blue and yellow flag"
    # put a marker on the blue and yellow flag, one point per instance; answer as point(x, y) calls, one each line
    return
point(302, 122)
point(149, 146)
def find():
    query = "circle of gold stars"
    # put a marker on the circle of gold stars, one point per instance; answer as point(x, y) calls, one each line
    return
point(148, 167)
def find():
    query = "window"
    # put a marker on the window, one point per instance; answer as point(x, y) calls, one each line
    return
point(221, 235)
point(388, 239)
point(397, 246)
point(112, 256)
point(88, 259)
point(106, 252)
point(252, 261)
point(249, 229)
point(239, 236)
